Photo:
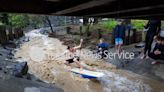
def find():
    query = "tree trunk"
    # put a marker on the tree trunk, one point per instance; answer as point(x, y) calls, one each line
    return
point(95, 20)
point(49, 22)
point(85, 20)
point(81, 31)
point(87, 30)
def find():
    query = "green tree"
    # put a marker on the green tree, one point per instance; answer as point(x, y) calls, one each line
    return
point(110, 24)
point(19, 21)
point(4, 19)
point(138, 24)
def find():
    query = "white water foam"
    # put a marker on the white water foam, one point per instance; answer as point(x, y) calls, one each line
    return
point(33, 33)
point(115, 83)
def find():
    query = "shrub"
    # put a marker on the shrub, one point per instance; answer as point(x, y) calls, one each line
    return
point(109, 25)
point(138, 24)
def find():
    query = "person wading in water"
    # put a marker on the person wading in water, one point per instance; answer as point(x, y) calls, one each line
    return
point(73, 57)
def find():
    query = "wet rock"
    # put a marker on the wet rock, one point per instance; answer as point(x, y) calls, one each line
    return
point(159, 71)
point(40, 89)
point(136, 53)
point(21, 69)
point(139, 45)
point(9, 57)
point(5, 72)
point(10, 46)
point(9, 67)
point(27, 39)
point(12, 84)
point(8, 60)
point(4, 51)
point(12, 53)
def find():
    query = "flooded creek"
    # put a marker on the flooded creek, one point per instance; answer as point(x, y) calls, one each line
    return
point(54, 71)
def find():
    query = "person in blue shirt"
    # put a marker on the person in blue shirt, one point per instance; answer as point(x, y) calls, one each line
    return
point(102, 48)
point(119, 34)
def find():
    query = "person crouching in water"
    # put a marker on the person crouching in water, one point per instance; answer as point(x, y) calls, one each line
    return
point(154, 28)
point(102, 48)
point(119, 33)
point(158, 52)
point(72, 54)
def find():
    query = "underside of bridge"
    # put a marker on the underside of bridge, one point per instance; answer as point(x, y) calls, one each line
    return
point(133, 9)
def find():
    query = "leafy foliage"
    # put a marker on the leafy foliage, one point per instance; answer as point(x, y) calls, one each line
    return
point(138, 24)
point(22, 21)
point(109, 25)
point(19, 21)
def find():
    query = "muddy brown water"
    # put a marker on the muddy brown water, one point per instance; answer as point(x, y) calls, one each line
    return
point(54, 71)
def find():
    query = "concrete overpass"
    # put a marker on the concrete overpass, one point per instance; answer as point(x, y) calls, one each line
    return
point(140, 9)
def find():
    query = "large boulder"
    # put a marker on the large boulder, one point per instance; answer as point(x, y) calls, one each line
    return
point(20, 69)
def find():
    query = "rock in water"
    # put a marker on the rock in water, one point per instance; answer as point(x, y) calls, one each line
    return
point(21, 69)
